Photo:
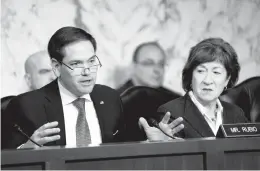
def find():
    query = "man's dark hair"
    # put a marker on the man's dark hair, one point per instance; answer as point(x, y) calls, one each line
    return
point(65, 36)
point(139, 47)
point(209, 50)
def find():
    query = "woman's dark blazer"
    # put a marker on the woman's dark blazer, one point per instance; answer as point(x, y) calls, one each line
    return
point(195, 126)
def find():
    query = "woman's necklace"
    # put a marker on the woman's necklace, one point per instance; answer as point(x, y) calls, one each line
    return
point(214, 118)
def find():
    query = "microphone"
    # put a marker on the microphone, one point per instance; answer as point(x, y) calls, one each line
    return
point(18, 128)
point(154, 123)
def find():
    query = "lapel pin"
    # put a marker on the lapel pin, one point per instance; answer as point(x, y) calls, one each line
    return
point(101, 102)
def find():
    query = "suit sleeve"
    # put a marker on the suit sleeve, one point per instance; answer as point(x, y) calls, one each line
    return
point(120, 135)
point(15, 115)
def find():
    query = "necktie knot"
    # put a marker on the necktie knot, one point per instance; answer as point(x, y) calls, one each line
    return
point(79, 104)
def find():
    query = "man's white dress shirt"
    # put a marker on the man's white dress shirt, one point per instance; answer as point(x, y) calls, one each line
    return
point(71, 114)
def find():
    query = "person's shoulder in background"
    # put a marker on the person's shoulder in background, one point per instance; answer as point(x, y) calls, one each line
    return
point(125, 86)
point(170, 92)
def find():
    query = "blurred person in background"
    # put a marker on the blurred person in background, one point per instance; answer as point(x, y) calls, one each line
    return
point(38, 73)
point(38, 70)
point(148, 67)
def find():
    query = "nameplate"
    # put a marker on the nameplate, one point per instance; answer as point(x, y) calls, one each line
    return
point(239, 130)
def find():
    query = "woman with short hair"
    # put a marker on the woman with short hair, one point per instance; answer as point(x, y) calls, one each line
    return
point(212, 67)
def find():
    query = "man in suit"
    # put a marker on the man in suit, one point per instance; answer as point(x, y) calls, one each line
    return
point(38, 70)
point(148, 68)
point(72, 110)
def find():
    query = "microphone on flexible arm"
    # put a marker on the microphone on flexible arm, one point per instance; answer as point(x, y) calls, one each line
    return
point(154, 123)
point(18, 128)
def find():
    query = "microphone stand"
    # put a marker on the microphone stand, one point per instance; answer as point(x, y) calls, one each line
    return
point(23, 133)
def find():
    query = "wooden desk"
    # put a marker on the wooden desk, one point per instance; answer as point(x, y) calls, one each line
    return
point(236, 153)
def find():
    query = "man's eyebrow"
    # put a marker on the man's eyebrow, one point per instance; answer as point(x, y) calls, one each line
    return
point(75, 61)
point(44, 70)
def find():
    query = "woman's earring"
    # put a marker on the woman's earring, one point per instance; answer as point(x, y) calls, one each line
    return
point(225, 88)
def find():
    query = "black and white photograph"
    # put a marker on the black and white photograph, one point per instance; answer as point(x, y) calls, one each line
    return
point(130, 84)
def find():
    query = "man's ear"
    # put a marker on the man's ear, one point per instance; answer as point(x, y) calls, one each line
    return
point(55, 67)
point(28, 80)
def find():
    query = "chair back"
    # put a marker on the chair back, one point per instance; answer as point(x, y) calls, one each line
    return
point(246, 95)
point(140, 101)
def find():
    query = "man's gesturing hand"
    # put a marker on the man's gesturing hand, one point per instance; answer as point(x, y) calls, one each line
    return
point(43, 135)
point(172, 128)
point(154, 134)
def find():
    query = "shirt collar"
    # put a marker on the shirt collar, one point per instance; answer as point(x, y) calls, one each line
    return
point(203, 109)
point(67, 97)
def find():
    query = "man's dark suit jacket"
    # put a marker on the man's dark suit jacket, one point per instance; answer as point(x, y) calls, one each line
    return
point(195, 126)
point(34, 109)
